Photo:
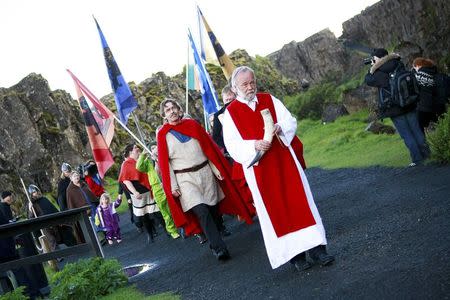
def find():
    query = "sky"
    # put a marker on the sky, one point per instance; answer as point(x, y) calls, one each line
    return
point(147, 36)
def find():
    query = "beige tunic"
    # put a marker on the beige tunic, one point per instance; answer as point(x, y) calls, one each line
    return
point(196, 187)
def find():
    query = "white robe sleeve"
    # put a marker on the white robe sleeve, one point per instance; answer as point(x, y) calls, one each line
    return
point(286, 121)
point(242, 151)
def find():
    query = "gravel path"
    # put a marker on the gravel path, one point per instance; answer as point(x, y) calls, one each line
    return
point(388, 228)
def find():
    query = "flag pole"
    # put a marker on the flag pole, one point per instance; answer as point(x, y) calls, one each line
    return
point(132, 134)
point(187, 78)
point(138, 127)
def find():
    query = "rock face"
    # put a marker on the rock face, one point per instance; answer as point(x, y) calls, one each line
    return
point(40, 130)
point(315, 58)
point(360, 98)
point(332, 112)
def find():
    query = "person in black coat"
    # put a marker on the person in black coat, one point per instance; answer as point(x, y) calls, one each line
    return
point(63, 183)
point(429, 107)
point(404, 118)
point(227, 96)
point(7, 245)
point(40, 206)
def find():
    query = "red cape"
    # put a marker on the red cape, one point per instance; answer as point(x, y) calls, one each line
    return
point(233, 203)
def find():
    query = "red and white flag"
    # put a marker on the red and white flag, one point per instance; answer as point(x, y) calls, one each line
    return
point(99, 122)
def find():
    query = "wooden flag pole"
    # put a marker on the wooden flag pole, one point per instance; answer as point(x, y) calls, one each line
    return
point(132, 134)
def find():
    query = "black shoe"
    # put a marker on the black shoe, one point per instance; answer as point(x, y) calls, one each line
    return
point(302, 265)
point(323, 259)
point(221, 254)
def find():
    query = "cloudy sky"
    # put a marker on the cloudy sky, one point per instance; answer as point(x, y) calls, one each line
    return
point(146, 36)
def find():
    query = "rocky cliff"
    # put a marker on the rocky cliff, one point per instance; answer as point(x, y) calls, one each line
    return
point(40, 129)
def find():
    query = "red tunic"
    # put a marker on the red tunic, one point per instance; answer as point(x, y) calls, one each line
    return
point(232, 203)
point(129, 172)
point(277, 177)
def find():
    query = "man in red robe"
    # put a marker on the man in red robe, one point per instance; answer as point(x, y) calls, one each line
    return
point(196, 178)
point(290, 222)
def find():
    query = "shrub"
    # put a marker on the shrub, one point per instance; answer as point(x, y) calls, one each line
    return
point(17, 294)
point(439, 140)
point(309, 105)
point(87, 279)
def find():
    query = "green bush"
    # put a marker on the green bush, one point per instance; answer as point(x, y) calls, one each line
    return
point(87, 279)
point(17, 294)
point(439, 140)
point(309, 105)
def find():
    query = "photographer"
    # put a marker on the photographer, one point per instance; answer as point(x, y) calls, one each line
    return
point(92, 178)
point(404, 118)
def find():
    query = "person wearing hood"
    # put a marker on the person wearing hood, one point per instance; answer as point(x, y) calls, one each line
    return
point(429, 108)
point(404, 118)
point(40, 206)
point(63, 183)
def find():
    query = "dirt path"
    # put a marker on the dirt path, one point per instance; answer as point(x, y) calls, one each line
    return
point(388, 228)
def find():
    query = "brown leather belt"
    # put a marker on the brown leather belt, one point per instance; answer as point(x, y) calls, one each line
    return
point(193, 169)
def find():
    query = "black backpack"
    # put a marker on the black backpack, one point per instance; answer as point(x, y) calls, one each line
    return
point(404, 89)
point(442, 88)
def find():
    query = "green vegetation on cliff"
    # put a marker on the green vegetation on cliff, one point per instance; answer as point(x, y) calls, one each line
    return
point(310, 104)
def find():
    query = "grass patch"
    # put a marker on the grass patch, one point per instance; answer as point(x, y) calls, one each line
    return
point(344, 143)
point(132, 293)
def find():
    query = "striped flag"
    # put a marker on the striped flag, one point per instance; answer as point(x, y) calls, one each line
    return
point(98, 120)
point(225, 62)
point(125, 101)
point(209, 95)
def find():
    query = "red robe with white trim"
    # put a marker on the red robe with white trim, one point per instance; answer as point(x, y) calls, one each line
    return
point(281, 190)
point(232, 203)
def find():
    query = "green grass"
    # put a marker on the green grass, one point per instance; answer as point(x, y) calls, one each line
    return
point(344, 144)
point(132, 293)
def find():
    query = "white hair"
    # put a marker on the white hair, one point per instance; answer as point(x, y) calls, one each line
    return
point(240, 70)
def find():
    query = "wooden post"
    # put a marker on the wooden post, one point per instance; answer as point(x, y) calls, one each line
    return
point(46, 249)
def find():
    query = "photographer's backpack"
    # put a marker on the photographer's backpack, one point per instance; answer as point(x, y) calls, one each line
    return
point(404, 87)
point(442, 88)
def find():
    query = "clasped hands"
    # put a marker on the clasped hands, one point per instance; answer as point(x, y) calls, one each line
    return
point(262, 145)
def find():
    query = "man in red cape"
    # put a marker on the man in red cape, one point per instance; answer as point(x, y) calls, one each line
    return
point(190, 161)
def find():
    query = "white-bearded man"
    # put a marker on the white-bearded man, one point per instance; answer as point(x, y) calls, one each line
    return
point(290, 222)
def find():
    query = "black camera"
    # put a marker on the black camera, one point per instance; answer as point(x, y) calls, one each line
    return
point(368, 61)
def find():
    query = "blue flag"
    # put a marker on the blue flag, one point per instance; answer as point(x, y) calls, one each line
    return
point(125, 101)
point(209, 95)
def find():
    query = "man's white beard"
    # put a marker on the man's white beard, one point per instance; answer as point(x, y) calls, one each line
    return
point(243, 96)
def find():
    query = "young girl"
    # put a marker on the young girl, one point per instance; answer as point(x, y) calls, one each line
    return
point(107, 218)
